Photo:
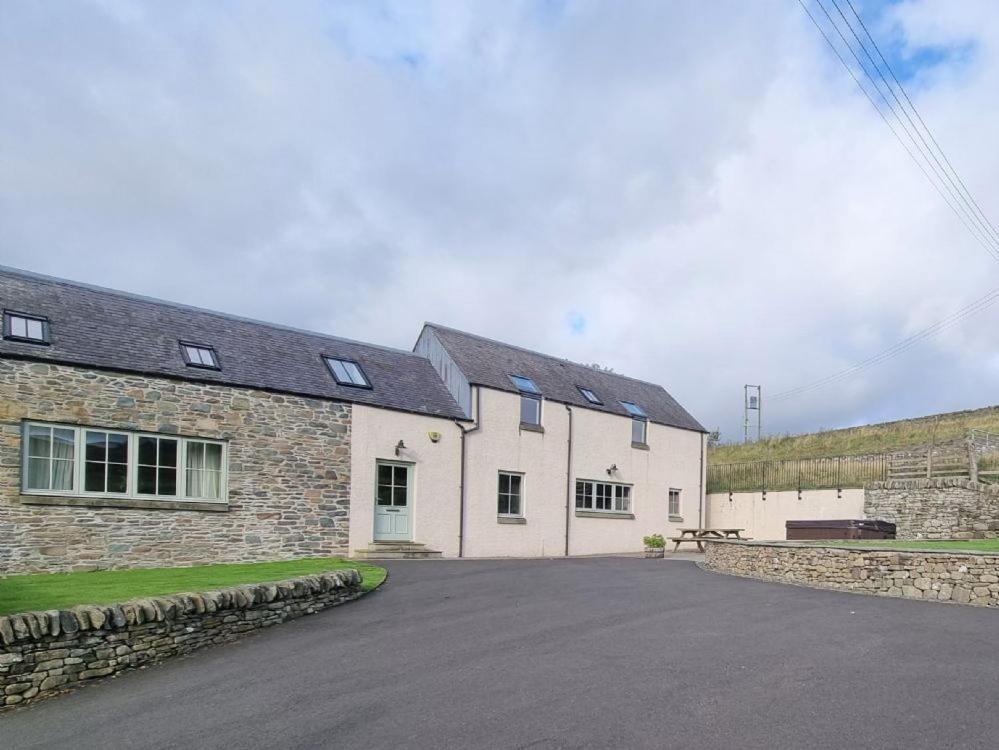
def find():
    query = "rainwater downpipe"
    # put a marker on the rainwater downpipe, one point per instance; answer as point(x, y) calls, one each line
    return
point(568, 482)
point(461, 483)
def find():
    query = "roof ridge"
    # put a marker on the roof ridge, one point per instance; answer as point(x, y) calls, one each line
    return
point(429, 324)
point(32, 275)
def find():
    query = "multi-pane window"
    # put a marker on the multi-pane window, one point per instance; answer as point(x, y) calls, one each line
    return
point(510, 497)
point(639, 428)
point(525, 385)
point(347, 372)
point(633, 409)
point(674, 501)
point(199, 355)
point(157, 466)
point(603, 496)
point(203, 478)
point(105, 467)
point(51, 458)
point(23, 327)
point(590, 395)
point(392, 489)
point(67, 460)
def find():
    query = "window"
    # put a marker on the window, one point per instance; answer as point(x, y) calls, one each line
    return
point(510, 496)
point(525, 385)
point(639, 427)
point(393, 485)
point(87, 461)
point(590, 395)
point(157, 466)
point(199, 355)
point(23, 327)
point(674, 502)
point(105, 467)
point(530, 410)
point(633, 409)
point(347, 372)
point(50, 458)
point(603, 496)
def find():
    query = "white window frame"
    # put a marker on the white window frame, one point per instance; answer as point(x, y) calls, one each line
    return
point(537, 404)
point(645, 430)
point(669, 502)
point(509, 494)
point(612, 493)
point(132, 473)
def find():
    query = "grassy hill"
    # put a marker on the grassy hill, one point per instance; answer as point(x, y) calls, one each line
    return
point(873, 438)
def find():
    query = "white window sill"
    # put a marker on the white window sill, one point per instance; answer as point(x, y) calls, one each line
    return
point(511, 519)
point(531, 427)
point(676, 519)
point(217, 506)
point(581, 513)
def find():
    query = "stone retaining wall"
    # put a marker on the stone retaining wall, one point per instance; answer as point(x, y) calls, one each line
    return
point(42, 652)
point(962, 577)
point(935, 508)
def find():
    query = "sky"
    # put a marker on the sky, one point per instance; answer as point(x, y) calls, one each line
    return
point(691, 193)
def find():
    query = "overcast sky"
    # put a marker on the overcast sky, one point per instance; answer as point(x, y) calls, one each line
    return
point(693, 193)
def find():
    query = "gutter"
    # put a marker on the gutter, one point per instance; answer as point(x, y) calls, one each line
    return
point(568, 482)
point(461, 482)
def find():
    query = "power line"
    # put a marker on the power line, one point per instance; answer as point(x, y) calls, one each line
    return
point(979, 305)
point(973, 217)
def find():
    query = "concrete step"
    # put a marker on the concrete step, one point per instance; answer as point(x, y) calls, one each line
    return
point(396, 551)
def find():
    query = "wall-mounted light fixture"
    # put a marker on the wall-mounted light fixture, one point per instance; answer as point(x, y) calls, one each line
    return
point(434, 437)
point(399, 448)
point(612, 469)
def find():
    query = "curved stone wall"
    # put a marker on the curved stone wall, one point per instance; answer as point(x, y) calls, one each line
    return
point(43, 652)
point(962, 577)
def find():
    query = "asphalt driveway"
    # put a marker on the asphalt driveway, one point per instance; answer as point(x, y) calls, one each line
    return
point(601, 653)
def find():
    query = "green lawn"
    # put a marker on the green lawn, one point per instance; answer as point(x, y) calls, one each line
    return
point(25, 593)
point(967, 545)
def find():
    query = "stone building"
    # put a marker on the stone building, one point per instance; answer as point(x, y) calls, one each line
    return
point(136, 432)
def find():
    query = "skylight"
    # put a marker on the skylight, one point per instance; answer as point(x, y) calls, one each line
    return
point(23, 327)
point(199, 355)
point(589, 395)
point(524, 385)
point(347, 372)
point(633, 409)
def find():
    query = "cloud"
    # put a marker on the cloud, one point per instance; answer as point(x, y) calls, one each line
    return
point(700, 185)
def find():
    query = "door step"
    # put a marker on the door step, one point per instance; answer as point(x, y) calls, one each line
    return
point(396, 551)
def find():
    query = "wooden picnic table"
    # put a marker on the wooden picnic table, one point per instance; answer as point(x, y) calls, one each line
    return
point(697, 536)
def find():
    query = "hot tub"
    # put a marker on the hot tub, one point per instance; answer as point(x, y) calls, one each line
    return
point(839, 529)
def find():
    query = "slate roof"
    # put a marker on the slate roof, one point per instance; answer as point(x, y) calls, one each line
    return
point(490, 363)
point(107, 329)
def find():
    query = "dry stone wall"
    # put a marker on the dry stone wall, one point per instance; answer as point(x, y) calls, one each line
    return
point(965, 578)
point(289, 473)
point(43, 652)
point(935, 508)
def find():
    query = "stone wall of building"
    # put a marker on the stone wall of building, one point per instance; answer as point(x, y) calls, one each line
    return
point(42, 652)
point(965, 578)
point(935, 508)
point(288, 473)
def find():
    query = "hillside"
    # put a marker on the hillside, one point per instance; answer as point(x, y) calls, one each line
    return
point(874, 438)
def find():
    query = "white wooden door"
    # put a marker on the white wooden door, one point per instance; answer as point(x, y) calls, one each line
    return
point(393, 501)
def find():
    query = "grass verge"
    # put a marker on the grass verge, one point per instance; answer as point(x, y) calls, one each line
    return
point(39, 591)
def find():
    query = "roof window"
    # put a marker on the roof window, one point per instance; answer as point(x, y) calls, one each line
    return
point(347, 372)
point(590, 395)
point(633, 409)
point(524, 385)
point(31, 329)
point(199, 355)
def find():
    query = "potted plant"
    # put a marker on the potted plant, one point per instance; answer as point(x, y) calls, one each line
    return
point(655, 545)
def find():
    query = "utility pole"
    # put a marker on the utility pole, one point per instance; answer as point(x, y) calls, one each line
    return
point(752, 400)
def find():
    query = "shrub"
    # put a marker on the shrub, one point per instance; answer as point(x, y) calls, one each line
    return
point(655, 541)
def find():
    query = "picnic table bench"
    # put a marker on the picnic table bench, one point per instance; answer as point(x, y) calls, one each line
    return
point(697, 536)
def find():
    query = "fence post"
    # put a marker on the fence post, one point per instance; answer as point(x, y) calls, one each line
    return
point(972, 461)
point(763, 478)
